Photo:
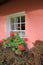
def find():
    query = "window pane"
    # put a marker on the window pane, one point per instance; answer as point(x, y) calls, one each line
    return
point(18, 27)
point(18, 19)
point(22, 26)
point(12, 21)
point(22, 19)
point(12, 27)
point(15, 20)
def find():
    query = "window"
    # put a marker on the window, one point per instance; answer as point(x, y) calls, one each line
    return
point(17, 24)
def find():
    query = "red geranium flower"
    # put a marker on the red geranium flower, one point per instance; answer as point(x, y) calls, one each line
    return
point(25, 39)
point(20, 47)
point(1, 41)
point(11, 34)
point(16, 32)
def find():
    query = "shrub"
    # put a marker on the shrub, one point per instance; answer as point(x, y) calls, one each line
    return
point(14, 51)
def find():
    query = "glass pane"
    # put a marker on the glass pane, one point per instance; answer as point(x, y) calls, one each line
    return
point(12, 20)
point(16, 26)
point(22, 19)
point(12, 27)
point(18, 19)
point(22, 26)
point(15, 20)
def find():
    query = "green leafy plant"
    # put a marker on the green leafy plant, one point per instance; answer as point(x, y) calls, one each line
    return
point(14, 51)
point(15, 42)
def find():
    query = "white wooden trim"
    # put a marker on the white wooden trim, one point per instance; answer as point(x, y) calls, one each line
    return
point(17, 14)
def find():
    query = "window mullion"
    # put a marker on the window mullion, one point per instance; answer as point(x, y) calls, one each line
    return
point(20, 22)
point(20, 27)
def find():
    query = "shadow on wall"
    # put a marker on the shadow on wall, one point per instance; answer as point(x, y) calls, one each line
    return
point(20, 5)
point(3, 2)
point(35, 5)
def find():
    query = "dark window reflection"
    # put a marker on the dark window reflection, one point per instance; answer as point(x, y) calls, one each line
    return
point(18, 27)
point(22, 18)
point(22, 26)
point(18, 19)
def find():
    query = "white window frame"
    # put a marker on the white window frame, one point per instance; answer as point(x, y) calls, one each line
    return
point(8, 23)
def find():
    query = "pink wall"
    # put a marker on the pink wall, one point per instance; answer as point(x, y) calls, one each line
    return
point(34, 25)
point(2, 27)
point(33, 18)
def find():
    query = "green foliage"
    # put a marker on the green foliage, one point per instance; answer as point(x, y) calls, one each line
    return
point(14, 42)
point(11, 54)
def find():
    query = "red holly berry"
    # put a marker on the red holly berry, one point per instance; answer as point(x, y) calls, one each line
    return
point(25, 39)
point(20, 47)
point(11, 34)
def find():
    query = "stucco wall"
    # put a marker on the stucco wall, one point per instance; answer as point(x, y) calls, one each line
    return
point(33, 18)
point(2, 27)
point(34, 25)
